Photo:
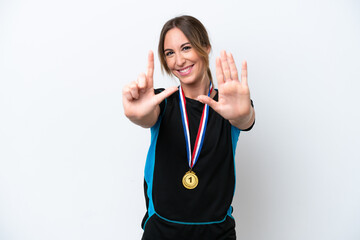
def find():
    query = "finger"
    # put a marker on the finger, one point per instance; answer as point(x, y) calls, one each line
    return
point(233, 69)
point(141, 81)
point(209, 101)
point(244, 73)
point(150, 69)
point(219, 72)
point(134, 90)
point(225, 66)
point(126, 93)
point(164, 94)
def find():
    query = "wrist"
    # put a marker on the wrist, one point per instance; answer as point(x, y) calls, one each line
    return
point(245, 121)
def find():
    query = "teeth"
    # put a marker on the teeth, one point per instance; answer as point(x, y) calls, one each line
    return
point(185, 70)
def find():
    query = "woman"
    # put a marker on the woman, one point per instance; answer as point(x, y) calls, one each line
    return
point(190, 173)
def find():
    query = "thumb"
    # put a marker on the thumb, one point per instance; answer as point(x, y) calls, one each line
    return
point(209, 101)
point(164, 94)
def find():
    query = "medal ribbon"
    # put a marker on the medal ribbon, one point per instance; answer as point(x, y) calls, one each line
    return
point(192, 158)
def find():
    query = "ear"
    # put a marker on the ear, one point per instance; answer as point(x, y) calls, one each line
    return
point(208, 49)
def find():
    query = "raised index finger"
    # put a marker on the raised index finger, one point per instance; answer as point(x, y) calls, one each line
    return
point(150, 70)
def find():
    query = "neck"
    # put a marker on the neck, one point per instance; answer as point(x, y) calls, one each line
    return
point(196, 89)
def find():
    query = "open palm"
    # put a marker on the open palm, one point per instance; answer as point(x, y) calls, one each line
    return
point(233, 95)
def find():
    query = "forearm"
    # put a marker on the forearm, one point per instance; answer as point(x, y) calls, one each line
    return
point(145, 121)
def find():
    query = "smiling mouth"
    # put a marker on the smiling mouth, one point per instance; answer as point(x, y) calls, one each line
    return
point(185, 71)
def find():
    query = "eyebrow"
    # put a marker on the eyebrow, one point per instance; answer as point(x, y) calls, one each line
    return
point(180, 46)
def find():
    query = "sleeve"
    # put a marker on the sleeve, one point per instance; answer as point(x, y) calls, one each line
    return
point(248, 129)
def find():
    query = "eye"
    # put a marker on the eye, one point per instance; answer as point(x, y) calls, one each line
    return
point(169, 53)
point(186, 48)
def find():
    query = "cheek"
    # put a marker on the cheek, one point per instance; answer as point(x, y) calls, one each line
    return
point(170, 63)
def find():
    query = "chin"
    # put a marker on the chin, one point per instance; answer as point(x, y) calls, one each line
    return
point(189, 80)
point(186, 80)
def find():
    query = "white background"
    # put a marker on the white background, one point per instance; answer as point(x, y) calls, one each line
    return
point(71, 164)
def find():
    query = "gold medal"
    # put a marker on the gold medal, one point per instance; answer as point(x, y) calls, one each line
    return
point(190, 180)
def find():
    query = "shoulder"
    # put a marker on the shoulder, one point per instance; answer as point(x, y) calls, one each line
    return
point(169, 100)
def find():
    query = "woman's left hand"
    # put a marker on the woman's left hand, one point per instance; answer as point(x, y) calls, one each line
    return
point(234, 102)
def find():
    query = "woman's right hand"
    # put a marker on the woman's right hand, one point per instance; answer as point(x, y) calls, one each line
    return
point(141, 104)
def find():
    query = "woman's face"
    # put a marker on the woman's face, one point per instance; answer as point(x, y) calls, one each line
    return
point(182, 59)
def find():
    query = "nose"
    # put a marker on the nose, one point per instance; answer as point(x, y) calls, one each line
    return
point(180, 60)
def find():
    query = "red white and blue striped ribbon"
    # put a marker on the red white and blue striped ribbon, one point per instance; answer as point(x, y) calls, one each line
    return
point(193, 156)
